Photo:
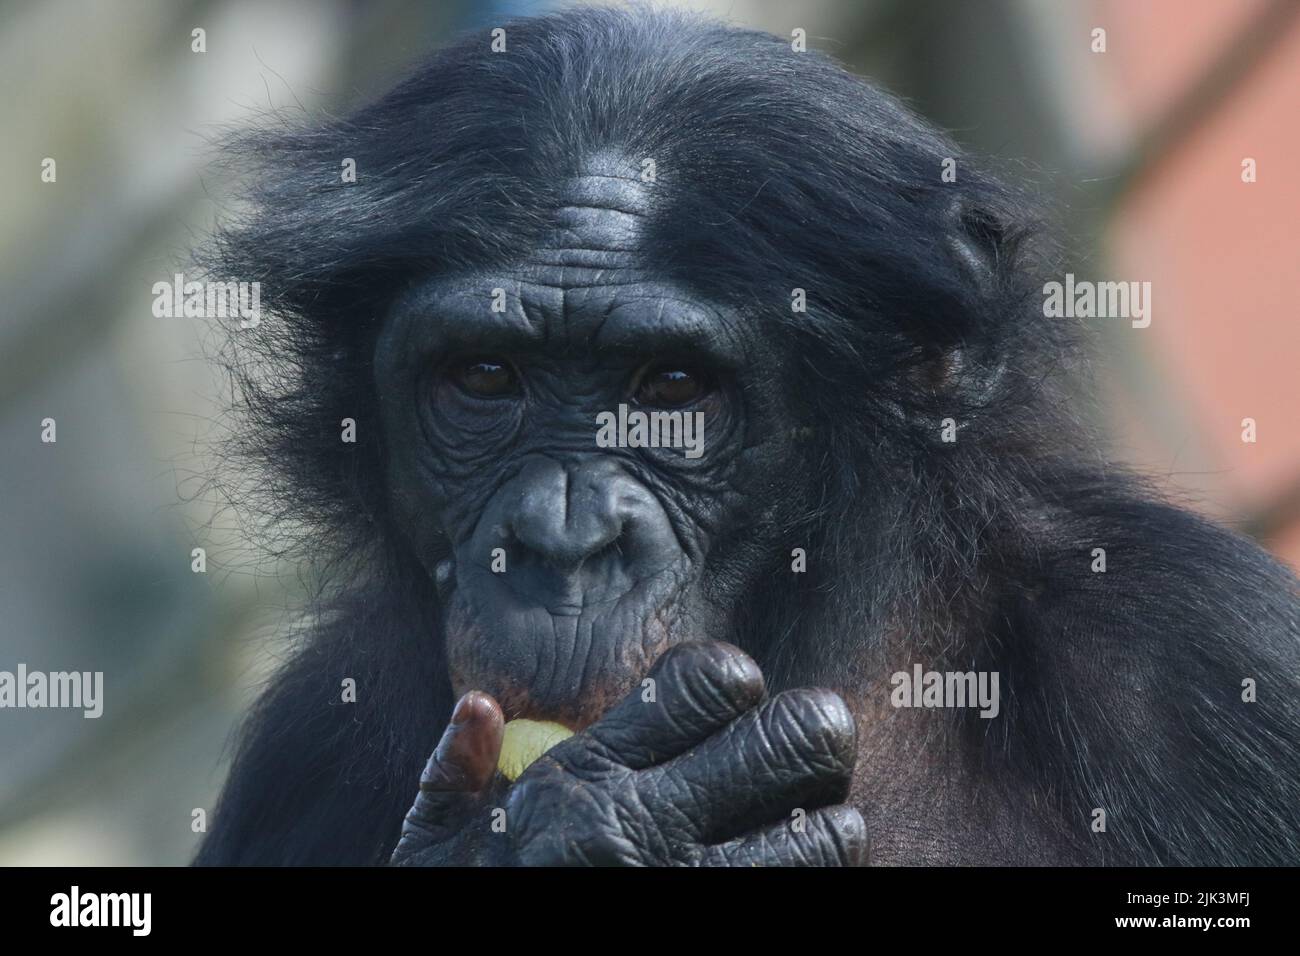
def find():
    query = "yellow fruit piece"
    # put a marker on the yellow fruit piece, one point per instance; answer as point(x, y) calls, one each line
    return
point(525, 741)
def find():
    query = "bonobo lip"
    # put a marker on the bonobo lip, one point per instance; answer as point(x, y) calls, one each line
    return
point(576, 713)
point(562, 654)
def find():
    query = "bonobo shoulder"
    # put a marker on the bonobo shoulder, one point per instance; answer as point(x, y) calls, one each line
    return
point(1179, 659)
point(1180, 573)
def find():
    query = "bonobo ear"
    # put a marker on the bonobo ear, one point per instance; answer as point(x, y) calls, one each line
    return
point(970, 368)
point(975, 238)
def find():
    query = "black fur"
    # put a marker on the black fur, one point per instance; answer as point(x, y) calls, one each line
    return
point(776, 170)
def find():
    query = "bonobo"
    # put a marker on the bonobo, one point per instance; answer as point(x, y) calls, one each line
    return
point(785, 648)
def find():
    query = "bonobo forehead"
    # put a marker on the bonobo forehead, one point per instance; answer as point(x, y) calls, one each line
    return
point(590, 284)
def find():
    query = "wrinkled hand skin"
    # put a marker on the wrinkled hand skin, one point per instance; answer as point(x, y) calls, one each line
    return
point(709, 774)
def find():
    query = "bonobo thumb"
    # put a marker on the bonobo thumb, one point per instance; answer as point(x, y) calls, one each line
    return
point(461, 768)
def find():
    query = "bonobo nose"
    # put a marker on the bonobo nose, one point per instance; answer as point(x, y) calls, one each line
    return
point(580, 532)
point(566, 514)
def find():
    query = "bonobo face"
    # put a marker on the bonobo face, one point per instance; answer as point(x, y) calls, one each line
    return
point(566, 567)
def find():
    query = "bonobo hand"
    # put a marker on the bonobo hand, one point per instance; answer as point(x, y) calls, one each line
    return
point(711, 773)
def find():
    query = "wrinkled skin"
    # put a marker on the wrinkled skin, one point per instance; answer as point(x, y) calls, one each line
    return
point(609, 561)
point(711, 774)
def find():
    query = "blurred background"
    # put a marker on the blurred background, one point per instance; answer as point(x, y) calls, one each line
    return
point(1137, 151)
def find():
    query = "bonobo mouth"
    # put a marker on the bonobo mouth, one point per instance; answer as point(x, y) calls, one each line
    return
point(565, 662)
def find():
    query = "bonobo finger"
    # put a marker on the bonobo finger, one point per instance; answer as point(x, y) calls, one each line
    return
point(697, 689)
point(466, 756)
point(797, 750)
point(832, 836)
point(461, 766)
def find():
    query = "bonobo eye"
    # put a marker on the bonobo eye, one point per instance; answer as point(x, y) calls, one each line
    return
point(484, 376)
point(669, 385)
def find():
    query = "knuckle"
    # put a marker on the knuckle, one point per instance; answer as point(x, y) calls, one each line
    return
point(715, 679)
point(816, 722)
point(576, 825)
point(716, 662)
point(845, 835)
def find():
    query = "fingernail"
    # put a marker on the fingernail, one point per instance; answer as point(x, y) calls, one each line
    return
point(464, 707)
